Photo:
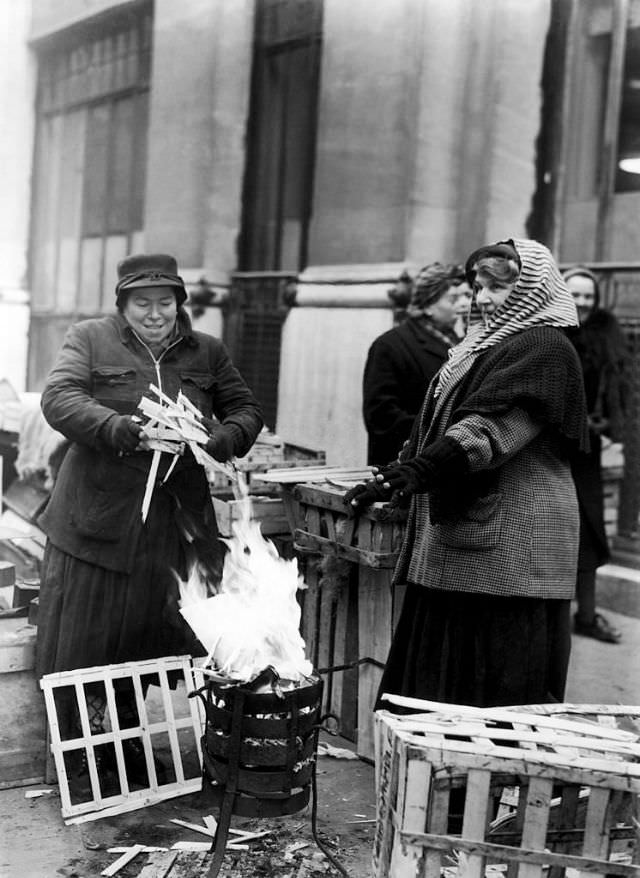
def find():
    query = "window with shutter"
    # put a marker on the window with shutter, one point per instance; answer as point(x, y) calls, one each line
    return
point(89, 171)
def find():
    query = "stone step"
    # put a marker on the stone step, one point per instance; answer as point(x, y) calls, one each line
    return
point(618, 589)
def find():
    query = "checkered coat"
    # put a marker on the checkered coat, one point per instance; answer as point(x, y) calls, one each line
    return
point(518, 534)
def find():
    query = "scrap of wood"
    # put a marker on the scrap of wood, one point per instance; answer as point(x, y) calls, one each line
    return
point(206, 846)
point(211, 823)
point(248, 836)
point(159, 865)
point(210, 826)
point(194, 826)
point(145, 850)
point(123, 860)
point(151, 483)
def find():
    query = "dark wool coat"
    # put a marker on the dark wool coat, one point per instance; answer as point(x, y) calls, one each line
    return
point(507, 523)
point(94, 513)
point(399, 368)
point(603, 355)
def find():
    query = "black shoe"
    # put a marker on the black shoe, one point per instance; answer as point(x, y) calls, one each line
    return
point(599, 629)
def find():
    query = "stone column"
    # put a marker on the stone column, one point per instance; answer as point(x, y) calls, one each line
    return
point(199, 103)
point(371, 49)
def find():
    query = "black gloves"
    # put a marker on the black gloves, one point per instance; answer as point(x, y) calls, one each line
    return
point(395, 483)
point(221, 446)
point(365, 494)
point(121, 433)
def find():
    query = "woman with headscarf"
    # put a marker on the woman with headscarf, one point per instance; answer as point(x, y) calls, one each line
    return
point(109, 592)
point(490, 549)
point(402, 361)
point(603, 355)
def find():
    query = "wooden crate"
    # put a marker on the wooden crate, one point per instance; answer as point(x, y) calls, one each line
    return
point(268, 511)
point(22, 714)
point(350, 607)
point(464, 791)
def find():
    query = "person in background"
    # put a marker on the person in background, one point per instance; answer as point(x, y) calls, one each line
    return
point(109, 592)
point(490, 548)
point(603, 354)
point(402, 361)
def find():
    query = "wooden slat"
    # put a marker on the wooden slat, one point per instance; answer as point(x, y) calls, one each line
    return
point(329, 590)
point(310, 542)
point(374, 641)
point(538, 764)
point(504, 853)
point(545, 738)
point(339, 647)
point(311, 611)
point(413, 800)
point(536, 820)
point(511, 715)
point(476, 809)
point(386, 782)
point(438, 823)
point(596, 826)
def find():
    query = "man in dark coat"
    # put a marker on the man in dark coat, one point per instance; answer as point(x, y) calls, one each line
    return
point(402, 361)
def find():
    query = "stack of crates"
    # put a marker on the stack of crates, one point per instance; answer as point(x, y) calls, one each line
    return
point(527, 792)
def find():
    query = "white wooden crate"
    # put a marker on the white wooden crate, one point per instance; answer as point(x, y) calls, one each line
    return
point(148, 731)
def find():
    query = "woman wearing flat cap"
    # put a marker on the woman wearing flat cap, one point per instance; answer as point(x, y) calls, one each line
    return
point(490, 549)
point(109, 591)
point(402, 361)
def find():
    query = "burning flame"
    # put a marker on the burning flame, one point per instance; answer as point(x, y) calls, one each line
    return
point(253, 622)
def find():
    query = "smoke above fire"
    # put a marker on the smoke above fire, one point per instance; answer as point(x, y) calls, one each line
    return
point(253, 622)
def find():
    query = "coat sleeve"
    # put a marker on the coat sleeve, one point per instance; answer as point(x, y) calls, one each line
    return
point(234, 405)
point(490, 441)
point(66, 401)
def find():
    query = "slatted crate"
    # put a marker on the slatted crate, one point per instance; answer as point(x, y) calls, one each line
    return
point(349, 607)
point(469, 792)
point(268, 511)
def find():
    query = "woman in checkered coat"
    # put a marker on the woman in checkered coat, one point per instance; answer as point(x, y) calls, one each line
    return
point(490, 550)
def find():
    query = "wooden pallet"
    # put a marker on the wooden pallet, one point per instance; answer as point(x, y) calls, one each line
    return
point(462, 790)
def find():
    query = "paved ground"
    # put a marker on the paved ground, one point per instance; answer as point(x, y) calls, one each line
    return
point(35, 843)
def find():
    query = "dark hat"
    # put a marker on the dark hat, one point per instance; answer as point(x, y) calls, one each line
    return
point(432, 282)
point(506, 249)
point(149, 270)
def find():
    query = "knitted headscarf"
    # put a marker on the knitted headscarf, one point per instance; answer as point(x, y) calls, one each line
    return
point(539, 298)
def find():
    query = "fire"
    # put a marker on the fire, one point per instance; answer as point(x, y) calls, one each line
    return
point(253, 622)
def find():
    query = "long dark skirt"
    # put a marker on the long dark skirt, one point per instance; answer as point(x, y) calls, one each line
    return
point(91, 616)
point(480, 650)
point(587, 476)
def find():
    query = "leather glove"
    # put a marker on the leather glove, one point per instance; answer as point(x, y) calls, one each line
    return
point(121, 433)
point(221, 446)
